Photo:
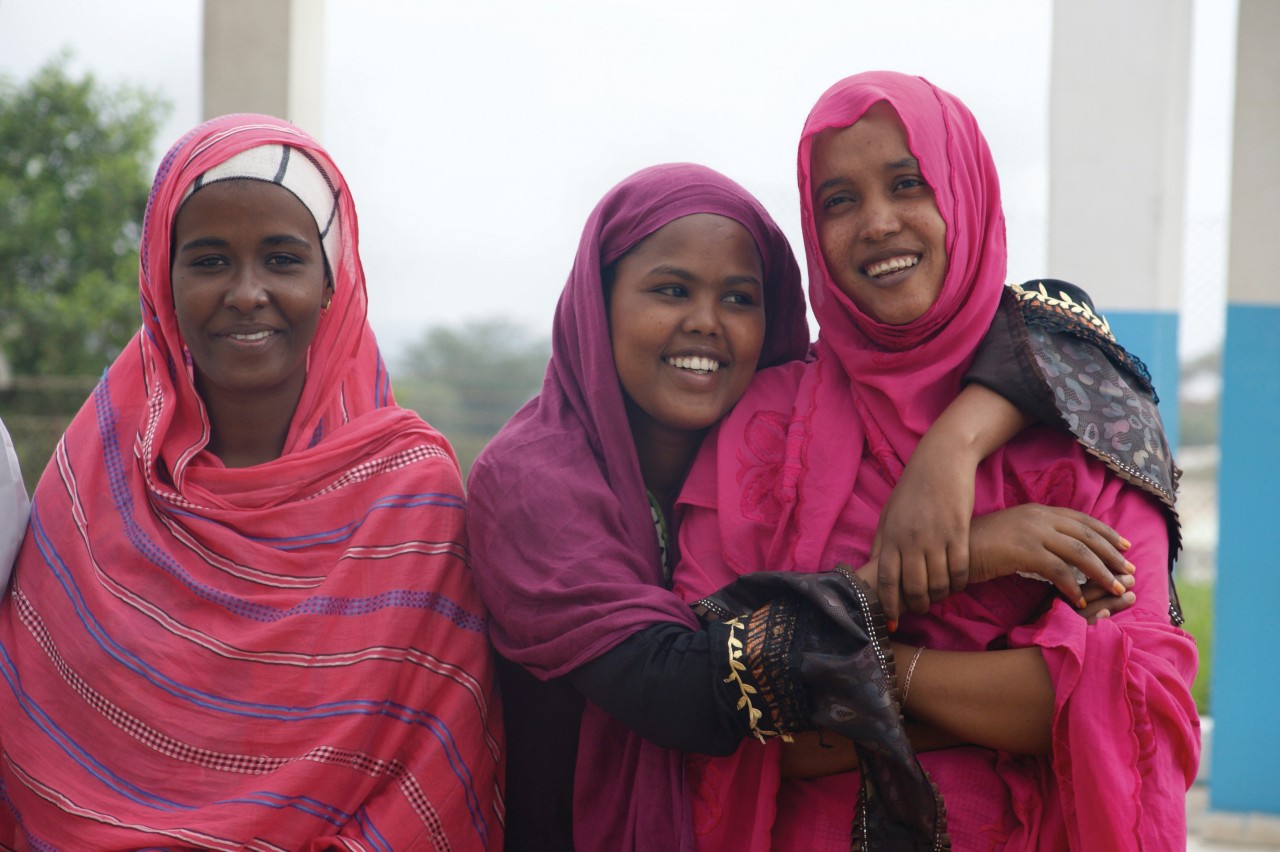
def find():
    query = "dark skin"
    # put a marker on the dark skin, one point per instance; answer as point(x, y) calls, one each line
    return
point(249, 283)
point(872, 203)
point(702, 306)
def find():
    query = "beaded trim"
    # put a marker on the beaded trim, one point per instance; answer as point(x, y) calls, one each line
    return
point(1065, 303)
point(736, 666)
point(707, 606)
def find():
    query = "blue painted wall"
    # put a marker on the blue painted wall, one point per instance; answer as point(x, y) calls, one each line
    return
point(1246, 619)
point(1153, 337)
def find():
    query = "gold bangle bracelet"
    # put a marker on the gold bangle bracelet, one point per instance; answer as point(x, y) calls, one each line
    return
point(911, 669)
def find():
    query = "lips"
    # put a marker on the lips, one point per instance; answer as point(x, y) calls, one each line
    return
point(700, 364)
point(249, 335)
point(890, 265)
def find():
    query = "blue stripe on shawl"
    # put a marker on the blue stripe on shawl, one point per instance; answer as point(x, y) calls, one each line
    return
point(346, 531)
point(370, 832)
point(128, 790)
point(33, 842)
point(222, 704)
point(328, 605)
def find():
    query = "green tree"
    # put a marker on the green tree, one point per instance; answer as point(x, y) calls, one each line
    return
point(74, 159)
point(468, 381)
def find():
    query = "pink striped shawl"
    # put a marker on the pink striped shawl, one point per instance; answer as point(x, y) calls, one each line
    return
point(285, 656)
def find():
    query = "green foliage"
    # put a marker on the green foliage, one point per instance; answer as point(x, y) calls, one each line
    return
point(468, 381)
point(73, 188)
point(1197, 610)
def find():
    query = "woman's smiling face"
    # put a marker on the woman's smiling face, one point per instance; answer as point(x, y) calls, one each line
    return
point(248, 277)
point(882, 237)
point(686, 319)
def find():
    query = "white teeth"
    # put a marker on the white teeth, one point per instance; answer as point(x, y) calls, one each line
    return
point(697, 364)
point(257, 335)
point(893, 264)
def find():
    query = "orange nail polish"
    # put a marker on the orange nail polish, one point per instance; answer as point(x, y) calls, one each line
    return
point(1124, 543)
point(892, 624)
point(1117, 587)
point(1129, 566)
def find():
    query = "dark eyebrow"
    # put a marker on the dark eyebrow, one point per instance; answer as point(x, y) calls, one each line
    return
point(203, 242)
point(287, 240)
point(219, 242)
point(828, 183)
point(686, 275)
point(674, 271)
point(904, 163)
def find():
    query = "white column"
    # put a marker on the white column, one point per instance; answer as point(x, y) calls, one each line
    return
point(1246, 671)
point(265, 56)
point(1117, 151)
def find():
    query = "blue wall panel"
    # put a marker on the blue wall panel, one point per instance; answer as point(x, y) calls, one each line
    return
point(1153, 337)
point(1246, 666)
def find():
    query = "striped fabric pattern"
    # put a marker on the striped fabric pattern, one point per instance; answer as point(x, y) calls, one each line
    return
point(287, 656)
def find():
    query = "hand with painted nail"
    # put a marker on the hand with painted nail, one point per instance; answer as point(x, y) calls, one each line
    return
point(1103, 602)
point(921, 548)
point(1052, 543)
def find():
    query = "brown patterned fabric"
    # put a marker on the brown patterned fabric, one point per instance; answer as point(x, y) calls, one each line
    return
point(816, 655)
point(1051, 354)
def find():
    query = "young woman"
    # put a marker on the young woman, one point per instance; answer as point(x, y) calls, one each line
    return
point(681, 289)
point(242, 617)
point(1050, 732)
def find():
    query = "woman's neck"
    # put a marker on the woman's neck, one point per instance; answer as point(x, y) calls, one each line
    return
point(249, 428)
point(665, 457)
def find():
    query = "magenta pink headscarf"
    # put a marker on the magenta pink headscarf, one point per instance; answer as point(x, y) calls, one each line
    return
point(563, 542)
point(799, 472)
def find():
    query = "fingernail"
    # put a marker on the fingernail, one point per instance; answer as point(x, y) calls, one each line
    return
point(1105, 613)
point(1080, 603)
point(1126, 580)
point(1117, 587)
point(1124, 543)
point(1128, 566)
point(892, 624)
point(1128, 597)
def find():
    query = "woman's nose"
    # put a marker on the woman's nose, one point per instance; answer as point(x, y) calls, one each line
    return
point(879, 219)
point(246, 291)
point(703, 315)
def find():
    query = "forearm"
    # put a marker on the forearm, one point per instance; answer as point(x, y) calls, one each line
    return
point(666, 683)
point(816, 754)
point(978, 422)
point(997, 699)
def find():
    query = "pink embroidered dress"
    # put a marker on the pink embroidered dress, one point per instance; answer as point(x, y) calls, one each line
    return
point(795, 479)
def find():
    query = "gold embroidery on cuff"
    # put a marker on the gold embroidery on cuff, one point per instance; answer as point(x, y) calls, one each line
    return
point(1063, 302)
point(736, 666)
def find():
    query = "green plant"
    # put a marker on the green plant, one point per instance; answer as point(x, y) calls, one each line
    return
point(1197, 609)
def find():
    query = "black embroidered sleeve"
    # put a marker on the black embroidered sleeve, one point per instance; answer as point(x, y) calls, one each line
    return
point(810, 651)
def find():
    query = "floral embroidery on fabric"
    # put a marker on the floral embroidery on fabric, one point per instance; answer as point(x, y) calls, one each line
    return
point(705, 777)
point(1053, 486)
point(760, 465)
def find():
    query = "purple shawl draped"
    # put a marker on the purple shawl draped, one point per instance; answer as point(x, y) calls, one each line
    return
point(563, 542)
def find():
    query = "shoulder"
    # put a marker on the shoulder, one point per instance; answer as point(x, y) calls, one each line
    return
point(774, 387)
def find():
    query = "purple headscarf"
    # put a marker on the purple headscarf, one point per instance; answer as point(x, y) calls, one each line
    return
point(562, 540)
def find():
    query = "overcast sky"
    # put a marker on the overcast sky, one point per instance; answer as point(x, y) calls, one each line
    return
point(478, 135)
